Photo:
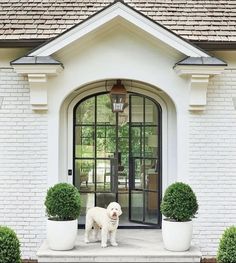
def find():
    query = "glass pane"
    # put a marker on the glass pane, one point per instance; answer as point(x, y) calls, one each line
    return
point(137, 205)
point(138, 174)
point(123, 130)
point(151, 113)
point(85, 112)
point(104, 179)
point(123, 180)
point(87, 201)
point(106, 141)
point(123, 148)
point(137, 141)
point(151, 211)
point(151, 142)
point(84, 141)
point(123, 118)
point(123, 200)
point(151, 179)
point(137, 109)
point(84, 175)
point(104, 112)
point(104, 199)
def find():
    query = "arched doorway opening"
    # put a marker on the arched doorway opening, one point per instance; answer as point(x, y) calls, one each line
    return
point(117, 157)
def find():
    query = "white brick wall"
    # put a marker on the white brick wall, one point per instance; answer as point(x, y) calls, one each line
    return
point(213, 162)
point(23, 162)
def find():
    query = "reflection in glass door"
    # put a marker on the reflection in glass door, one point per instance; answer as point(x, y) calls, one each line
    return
point(144, 160)
point(117, 157)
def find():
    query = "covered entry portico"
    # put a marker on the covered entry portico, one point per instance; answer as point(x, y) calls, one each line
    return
point(118, 43)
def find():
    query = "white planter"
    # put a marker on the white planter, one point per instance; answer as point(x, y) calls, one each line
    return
point(61, 235)
point(177, 235)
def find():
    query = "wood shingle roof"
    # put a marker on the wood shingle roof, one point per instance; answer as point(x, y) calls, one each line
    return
point(195, 20)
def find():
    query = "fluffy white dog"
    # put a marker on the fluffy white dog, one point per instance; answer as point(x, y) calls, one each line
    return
point(105, 219)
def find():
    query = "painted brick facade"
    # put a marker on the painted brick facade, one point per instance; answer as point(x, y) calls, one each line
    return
point(23, 162)
point(212, 161)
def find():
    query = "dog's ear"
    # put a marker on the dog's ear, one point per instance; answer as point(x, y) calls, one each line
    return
point(109, 209)
point(120, 212)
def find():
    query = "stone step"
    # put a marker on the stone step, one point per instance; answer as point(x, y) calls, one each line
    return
point(135, 245)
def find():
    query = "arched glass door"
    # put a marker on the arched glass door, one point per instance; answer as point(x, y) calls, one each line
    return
point(117, 157)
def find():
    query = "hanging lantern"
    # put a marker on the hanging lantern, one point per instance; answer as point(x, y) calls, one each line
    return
point(118, 97)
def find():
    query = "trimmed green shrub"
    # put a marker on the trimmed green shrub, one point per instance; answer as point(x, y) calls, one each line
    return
point(227, 247)
point(63, 202)
point(179, 202)
point(9, 246)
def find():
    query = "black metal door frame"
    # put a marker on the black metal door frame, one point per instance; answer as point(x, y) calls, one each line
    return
point(158, 168)
point(115, 160)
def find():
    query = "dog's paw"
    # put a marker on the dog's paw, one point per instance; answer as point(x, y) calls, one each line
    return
point(114, 244)
point(103, 245)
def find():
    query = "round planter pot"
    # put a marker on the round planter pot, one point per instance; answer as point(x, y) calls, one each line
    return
point(61, 235)
point(177, 235)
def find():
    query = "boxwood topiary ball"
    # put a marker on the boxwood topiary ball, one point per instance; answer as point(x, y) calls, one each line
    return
point(179, 202)
point(63, 202)
point(9, 246)
point(227, 247)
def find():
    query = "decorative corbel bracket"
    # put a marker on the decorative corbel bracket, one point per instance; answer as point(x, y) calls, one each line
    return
point(199, 70)
point(38, 71)
point(198, 92)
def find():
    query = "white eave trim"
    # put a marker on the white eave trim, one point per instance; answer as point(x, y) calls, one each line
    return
point(199, 69)
point(114, 11)
point(50, 70)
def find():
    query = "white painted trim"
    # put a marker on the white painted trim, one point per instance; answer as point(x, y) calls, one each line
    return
point(51, 70)
point(37, 78)
point(195, 70)
point(119, 10)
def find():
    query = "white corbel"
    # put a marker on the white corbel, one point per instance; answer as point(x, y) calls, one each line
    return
point(38, 91)
point(199, 80)
point(198, 92)
point(38, 76)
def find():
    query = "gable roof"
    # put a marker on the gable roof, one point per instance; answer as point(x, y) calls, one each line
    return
point(123, 12)
point(195, 20)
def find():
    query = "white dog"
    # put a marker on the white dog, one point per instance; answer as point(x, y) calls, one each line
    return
point(105, 219)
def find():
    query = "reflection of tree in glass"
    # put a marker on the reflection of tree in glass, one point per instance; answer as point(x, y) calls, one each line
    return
point(106, 132)
point(85, 111)
point(136, 141)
